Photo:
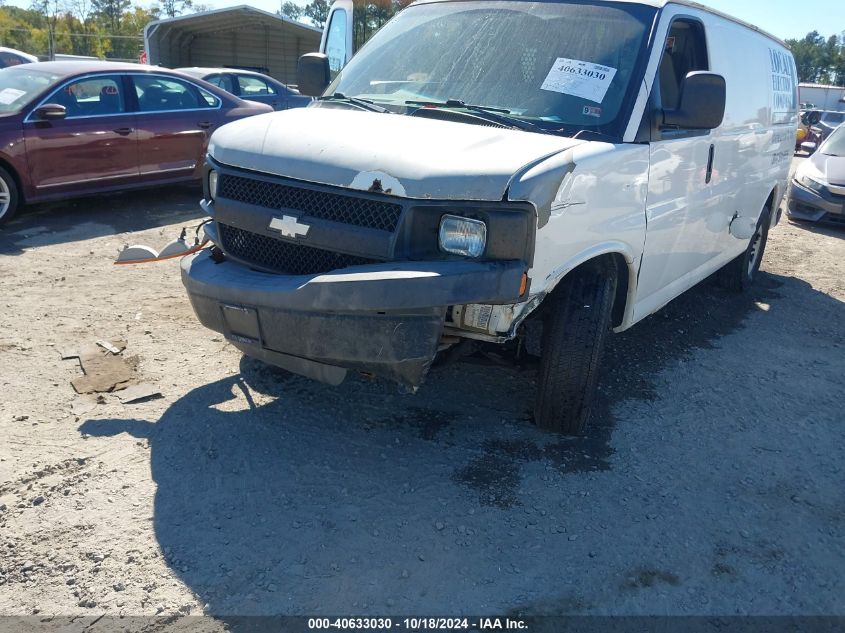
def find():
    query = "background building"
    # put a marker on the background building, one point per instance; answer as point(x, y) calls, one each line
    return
point(237, 37)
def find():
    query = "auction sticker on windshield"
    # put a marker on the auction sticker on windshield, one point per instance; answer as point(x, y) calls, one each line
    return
point(10, 95)
point(579, 79)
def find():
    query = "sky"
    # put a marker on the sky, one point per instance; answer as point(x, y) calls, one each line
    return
point(784, 18)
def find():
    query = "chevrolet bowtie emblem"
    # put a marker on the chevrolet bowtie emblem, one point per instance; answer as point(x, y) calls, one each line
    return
point(289, 226)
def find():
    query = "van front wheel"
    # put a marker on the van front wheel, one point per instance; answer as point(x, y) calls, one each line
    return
point(578, 316)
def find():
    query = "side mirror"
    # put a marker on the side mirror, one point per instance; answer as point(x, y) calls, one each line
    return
point(810, 148)
point(703, 99)
point(50, 112)
point(312, 74)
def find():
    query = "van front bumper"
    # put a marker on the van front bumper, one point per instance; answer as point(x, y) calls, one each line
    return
point(384, 319)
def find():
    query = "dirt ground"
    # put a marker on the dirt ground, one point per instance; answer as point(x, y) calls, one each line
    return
point(712, 480)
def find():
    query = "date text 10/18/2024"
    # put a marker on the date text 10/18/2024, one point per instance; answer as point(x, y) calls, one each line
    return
point(418, 624)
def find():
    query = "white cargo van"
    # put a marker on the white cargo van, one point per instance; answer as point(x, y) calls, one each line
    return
point(525, 173)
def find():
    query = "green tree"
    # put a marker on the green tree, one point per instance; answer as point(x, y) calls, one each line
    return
point(317, 11)
point(819, 60)
point(23, 29)
point(290, 10)
point(51, 10)
point(172, 8)
point(109, 12)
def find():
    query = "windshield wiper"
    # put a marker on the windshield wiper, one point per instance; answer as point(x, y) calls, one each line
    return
point(496, 115)
point(364, 104)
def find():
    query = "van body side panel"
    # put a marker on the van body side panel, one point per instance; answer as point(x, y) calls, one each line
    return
point(600, 201)
point(688, 219)
point(755, 145)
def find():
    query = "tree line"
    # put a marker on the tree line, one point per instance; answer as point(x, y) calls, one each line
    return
point(114, 29)
point(369, 15)
point(818, 59)
point(110, 29)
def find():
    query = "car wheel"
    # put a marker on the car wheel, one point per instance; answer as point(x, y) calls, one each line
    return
point(739, 274)
point(8, 196)
point(576, 324)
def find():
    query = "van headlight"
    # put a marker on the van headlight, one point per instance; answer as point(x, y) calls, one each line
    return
point(462, 236)
point(212, 184)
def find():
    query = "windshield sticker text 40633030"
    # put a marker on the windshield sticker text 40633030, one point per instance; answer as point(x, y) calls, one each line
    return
point(580, 79)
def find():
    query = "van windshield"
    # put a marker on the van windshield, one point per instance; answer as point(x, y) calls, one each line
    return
point(559, 65)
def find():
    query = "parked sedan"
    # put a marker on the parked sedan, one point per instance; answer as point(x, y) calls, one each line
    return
point(77, 128)
point(817, 193)
point(14, 57)
point(829, 121)
point(251, 86)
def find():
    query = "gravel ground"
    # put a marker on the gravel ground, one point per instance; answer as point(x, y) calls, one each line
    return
point(712, 480)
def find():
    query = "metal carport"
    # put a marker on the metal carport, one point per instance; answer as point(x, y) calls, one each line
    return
point(236, 37)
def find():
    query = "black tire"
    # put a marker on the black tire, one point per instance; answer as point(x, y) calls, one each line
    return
point(739, 275)
point(9, 197)
point(577, 321)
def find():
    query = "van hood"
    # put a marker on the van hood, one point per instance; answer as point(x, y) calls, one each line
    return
point(402, 155)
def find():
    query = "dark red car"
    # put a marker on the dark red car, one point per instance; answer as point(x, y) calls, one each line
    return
point(77, 128)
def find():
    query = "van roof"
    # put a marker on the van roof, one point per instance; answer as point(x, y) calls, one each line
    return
point(698, 5)
point(689, 3)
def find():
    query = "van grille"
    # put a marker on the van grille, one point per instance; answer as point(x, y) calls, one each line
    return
point(366, 212)
point(283, 257)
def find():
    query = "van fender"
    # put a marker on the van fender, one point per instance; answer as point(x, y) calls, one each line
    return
point(632, 262)
point(774, 201)
point(743, 227)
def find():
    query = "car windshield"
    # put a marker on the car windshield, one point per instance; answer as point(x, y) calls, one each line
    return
point(833, 118)
point(555, 64)
point(20, 84)
point(835, 143)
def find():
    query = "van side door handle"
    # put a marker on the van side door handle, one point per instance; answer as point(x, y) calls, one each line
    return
point(204, 124)
point(710, 158)
point(124, 131)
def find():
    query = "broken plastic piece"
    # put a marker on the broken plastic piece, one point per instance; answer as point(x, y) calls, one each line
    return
point(145, 254)
point(176, 247)
point(135, 254)
point(108, 346)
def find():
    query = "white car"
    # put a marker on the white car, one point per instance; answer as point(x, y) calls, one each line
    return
point(458, 182)
point(14, 57)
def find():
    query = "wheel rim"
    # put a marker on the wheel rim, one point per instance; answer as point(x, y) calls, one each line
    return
point(5, 197)
point(754, 251)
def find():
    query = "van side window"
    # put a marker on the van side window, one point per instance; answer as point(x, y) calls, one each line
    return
point(336, 42)
point(686, 52)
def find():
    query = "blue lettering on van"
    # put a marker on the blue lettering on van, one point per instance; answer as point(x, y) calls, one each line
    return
point(784, 84)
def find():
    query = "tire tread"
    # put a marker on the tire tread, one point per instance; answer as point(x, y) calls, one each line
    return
point(573, 343)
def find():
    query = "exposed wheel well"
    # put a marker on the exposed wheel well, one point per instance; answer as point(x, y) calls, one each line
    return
point(620, 300)
point(770, 202)
point(772, 205)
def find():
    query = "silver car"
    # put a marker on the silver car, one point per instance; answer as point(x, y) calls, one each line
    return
point(817, 193)
point(251, 86)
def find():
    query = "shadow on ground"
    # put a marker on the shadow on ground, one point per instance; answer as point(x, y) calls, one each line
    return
point(828, 229)
point(98, 216)
point(356, 499)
